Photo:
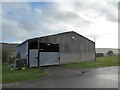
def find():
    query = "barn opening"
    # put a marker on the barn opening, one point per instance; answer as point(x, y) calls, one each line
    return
point(33, 44)
point(43, 54)
point(48, 47)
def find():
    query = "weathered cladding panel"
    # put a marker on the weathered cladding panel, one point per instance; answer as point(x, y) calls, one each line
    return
point(92, 51)
point(78, 44)
point(88, 54)
point(80, 48)
point(75, 43)
point(91, 47)
point(23, 50)
point(65, 42)
point(83, 44)
point(68, 44)
point(48, 39)
point(85, 47)
point(43, 40)
point(63, 39)
point(52, 39)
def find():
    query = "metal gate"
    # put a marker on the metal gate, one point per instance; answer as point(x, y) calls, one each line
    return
point(33, 58)
point(49, 58)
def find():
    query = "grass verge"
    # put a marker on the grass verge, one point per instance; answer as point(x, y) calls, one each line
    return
point(9, 76)
point(100, 62)
point(0, 72)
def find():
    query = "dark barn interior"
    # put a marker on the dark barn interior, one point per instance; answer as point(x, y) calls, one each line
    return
point(43, 47)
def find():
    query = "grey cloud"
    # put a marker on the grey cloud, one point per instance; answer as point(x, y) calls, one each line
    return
point(12, 29)
point(109, 11)
point(111, 16)
point(25, 22)
point(67, 16)
point(104, 9)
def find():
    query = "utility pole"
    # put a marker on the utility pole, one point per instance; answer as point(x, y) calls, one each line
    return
point(95, 39)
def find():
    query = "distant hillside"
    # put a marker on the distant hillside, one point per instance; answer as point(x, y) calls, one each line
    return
point(8, 49)
point(105, 50)
point(8, 46)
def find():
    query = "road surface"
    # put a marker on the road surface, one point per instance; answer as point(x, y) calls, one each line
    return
point(60, 77)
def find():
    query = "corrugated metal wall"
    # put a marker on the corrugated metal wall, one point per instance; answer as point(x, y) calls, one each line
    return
point(33, 61)
point(23, 50)
point(49, 58)
point(73, 47)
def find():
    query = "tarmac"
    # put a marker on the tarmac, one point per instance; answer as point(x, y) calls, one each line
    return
point(60, 77)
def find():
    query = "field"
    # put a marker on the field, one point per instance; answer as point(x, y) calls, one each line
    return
point(9, 76)
point(100, 62)
point(0, 72)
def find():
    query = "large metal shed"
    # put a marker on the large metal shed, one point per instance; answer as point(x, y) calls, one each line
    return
point(62, 48)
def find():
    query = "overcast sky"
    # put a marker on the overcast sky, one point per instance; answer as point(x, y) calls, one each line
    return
point(24, 20)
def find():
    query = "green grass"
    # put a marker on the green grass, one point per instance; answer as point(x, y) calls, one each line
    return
point(9, 76)
point(100, 62)
point(0, 72)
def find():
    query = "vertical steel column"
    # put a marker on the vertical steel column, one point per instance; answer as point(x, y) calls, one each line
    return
point(38, 51)
point(28, 53)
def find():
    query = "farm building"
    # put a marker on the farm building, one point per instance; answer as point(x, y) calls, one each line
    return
point(62, 48)
point(104, 51)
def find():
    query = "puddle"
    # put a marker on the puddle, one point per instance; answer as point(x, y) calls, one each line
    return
point(83, 72)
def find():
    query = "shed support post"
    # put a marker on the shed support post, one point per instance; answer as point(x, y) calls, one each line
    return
point(38, 52)
point(28, 54)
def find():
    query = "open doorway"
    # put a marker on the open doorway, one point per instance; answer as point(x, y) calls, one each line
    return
point(43, 54)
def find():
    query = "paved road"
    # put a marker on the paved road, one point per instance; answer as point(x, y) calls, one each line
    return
point(60, 77)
